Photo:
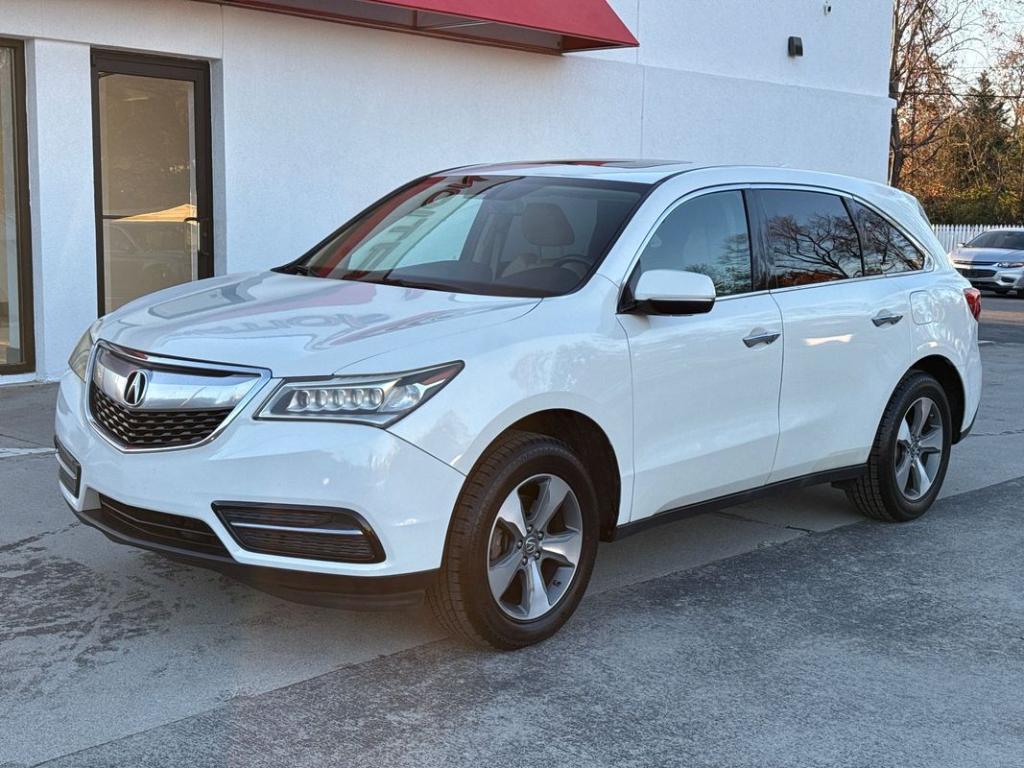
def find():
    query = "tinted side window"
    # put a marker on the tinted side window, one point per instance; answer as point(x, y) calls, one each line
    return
point(886, 250)
point(811, 238)
point(707, 235)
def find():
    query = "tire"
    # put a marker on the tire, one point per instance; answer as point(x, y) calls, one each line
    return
point(1001, 291)
point(881, 493)
point(516, 471)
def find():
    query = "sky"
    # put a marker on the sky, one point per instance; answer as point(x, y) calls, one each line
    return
point(981, 55)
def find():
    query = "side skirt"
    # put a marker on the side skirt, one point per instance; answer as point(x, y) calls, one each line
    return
point(722, 502)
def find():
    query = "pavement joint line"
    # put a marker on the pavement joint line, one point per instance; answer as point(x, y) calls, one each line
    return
point(737, 516)
point(798, 528)
point(13, 453)
point(21, 439)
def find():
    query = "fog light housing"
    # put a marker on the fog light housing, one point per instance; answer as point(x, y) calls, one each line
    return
point(312, 533)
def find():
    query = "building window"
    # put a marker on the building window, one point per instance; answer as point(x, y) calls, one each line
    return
point(153, 174)
point(16, 337)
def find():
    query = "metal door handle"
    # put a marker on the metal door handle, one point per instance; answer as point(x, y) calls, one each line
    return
point(885, 317)
point(760, 336)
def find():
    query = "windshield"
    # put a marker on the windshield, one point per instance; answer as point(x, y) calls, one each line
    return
point(1012, 240)
point(492, 235)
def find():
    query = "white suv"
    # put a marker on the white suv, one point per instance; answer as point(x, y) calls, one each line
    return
point(477, 378)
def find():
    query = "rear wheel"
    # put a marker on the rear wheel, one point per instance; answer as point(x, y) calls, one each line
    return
point(521, 546)
point(910, 454)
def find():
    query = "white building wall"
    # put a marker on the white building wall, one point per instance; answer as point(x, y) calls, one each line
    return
point(313, 120)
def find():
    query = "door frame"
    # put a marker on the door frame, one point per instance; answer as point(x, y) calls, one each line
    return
point(146, 65)
point(22, 216)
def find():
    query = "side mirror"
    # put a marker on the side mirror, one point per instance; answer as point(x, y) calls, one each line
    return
point(671, 292)
point(960, 245)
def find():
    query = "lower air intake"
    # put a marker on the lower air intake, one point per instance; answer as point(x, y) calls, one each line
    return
point(314, 533)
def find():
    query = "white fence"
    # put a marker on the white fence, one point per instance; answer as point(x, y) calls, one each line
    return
point(951, 234)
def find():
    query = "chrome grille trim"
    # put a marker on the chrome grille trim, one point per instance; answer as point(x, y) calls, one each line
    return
point(191, 388)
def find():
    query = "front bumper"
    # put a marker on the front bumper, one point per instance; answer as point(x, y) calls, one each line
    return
point(405, 495)
point(993, 279)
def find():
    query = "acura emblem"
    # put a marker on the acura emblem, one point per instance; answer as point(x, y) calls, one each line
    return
point(135, 388)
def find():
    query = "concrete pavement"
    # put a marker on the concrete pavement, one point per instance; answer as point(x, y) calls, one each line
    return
point(105, 645)
point(870, 645)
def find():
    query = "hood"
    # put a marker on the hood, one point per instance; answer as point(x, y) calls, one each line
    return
point(296, 325)
point(987, 255)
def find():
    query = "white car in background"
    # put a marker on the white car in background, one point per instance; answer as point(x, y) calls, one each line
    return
point(994, 261)
point(467, 386)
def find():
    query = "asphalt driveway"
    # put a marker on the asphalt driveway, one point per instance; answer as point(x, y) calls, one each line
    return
point(786, 632)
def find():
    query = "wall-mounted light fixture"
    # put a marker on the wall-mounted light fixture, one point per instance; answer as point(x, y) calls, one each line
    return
point(796, 46)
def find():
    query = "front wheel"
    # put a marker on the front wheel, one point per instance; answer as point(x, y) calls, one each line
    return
point(521, 546)
point(910, 454)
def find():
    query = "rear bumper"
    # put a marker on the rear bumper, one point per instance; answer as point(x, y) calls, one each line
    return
point(350, 592)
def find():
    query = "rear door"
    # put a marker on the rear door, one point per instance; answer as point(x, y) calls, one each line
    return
point(846, 329)
point(706, 386)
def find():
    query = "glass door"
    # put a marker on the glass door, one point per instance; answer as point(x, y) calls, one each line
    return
point(153, 174)
point(16, 338)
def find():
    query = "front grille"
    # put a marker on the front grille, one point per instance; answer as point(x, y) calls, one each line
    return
point(315, 533)
point(160, 528)
point(153, 429)
point(976, 273)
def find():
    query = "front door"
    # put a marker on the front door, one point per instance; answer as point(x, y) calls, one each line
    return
point(151, 120)
point(706, 386)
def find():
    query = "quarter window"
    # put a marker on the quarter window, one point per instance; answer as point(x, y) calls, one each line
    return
point(887, 251)
point(811, 238)
point(708, 235)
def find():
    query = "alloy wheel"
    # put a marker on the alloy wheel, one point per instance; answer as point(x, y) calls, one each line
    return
point(919, 445)
point(535, 547)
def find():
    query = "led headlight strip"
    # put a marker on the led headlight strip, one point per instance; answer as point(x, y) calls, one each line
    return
point(378, 400)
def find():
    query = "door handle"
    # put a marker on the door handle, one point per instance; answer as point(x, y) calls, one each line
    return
point(760, 336)
point(885, 317)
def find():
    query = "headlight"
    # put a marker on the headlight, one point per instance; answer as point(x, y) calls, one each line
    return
point(79, 359)
point(1009, 264)
point(377, 400)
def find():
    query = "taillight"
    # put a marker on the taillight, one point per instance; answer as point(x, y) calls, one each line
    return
point(973, 296)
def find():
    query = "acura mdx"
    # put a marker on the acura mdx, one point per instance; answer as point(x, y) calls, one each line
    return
point(467, 386)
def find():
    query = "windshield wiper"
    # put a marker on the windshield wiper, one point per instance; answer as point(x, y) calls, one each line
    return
point(422, 284)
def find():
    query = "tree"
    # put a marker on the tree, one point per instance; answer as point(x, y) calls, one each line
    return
point(958, 143)
point(1009, 73)
point(928, 36)
point(969, 178)
point(978, 139)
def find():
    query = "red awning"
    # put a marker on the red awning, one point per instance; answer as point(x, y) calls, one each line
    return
point(549, 26)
